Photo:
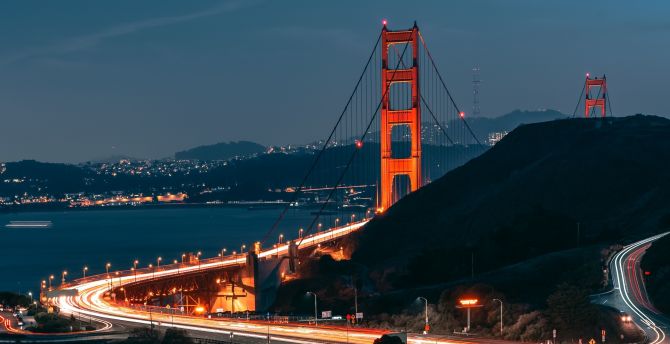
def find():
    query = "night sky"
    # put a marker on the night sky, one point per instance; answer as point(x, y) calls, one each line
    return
point(82, 80)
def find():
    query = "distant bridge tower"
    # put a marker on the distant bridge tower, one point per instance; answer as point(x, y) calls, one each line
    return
point(601, 97)
point(392, 167)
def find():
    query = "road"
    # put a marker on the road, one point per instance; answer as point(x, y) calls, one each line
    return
point(628, 293)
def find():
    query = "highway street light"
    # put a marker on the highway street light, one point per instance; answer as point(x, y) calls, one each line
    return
point(353, 217)
point(281, 236)
point(153, 272)
point(300, 231)
point(426, 327)
point(501, 315)
point(183, 255)
point(242, 248)
point(30, 293)
point(84, 270)
point(319, 226)
point(50, 279)
point(158, 261)
point(337, 220)
point(62, 281)
point(107, 266)
point(223, 253)
point(315, 313)
point(199, 254)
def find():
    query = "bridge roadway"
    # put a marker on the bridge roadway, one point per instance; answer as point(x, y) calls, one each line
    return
point(90, 301)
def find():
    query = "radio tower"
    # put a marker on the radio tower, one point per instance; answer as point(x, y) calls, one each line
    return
point(475, 92)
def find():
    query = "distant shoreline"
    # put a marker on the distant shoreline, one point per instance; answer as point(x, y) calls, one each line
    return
point(59, 208)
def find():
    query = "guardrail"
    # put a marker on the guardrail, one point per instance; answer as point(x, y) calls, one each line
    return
point(305, 242)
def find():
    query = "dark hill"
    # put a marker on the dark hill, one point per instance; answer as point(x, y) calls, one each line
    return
point(524, 197)
point(221, 151)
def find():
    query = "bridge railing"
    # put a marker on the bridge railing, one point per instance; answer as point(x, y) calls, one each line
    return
point(114, 277)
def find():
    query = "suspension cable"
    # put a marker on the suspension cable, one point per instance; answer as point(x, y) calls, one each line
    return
point(579, 100)
point(353, 155)
point(325, 146)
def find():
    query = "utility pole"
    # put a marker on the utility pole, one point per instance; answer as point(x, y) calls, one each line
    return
point(578, 233)
point(501, 315)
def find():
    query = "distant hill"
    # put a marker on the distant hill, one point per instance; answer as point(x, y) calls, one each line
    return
point(221, 151)
point(482, 126)
point(524, 197)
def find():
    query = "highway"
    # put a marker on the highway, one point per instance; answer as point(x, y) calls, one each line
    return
point(628, 293)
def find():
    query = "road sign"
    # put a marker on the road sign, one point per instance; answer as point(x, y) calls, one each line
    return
point(326, 314)
point(359, 315)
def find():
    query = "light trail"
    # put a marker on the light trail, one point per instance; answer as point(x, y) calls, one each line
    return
point(90, 302)
point(626, 274)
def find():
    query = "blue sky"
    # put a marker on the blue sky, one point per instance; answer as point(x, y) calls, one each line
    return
point(82, 80)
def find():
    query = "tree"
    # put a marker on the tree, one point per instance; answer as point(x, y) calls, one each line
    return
point(176, 336)
point(570, 310)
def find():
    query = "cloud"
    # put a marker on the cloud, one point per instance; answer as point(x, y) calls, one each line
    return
point(83, 42)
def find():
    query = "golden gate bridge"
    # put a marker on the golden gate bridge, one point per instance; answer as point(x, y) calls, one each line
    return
point(372, 157)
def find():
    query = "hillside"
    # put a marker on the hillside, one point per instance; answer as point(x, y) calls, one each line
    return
point(221, 151)
point(524, 197)
point(656, 261)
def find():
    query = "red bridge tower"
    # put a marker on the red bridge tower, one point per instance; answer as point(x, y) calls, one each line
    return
point(411, 117)
point(601, 97)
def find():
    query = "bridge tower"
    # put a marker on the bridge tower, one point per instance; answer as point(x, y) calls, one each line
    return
point(392, 167)
point(601, 98)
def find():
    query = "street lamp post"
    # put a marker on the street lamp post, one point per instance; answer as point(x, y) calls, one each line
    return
point(135, 262)
point(84, 270)
point(62, 280)
point(281, 236)
point(242, 248)
point(153, 271)
point(199, 254)
point(337, 220)
point(316, 321)
point(109, 281)
point(300, 231)
point(426, 326)
point(501, 315)
point(51, 277)
point(158, 262)
point(223, 253)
